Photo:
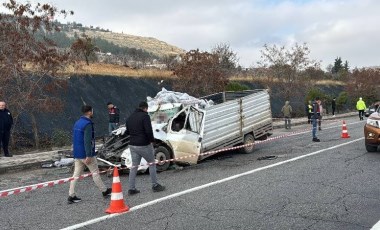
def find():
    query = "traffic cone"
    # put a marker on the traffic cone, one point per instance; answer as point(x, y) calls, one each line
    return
point(117, 201)
point(344, 131)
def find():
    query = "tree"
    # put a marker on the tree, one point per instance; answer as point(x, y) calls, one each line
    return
point(286, 68)
point(341, 101)
point(364, 83)
point(227, 58)
point(338, 65)
point(346, 67)
point(29, 65)
point(339, 70)
point(85, 47)
point(200, 73)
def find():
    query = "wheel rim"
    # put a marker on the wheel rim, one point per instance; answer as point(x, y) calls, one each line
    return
point(160, 156)
point(249, 140)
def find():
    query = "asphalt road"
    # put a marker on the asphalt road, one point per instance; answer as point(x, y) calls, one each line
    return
point(333, 184)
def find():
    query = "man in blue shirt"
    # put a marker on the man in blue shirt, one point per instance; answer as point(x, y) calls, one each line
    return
point(84, 153)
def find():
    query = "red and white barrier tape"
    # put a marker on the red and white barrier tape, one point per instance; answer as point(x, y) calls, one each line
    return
point(15, 191)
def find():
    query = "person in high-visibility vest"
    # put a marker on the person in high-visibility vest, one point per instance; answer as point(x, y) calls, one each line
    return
point(309, 112)
point(360, 106)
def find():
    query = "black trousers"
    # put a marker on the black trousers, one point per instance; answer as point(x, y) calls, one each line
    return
point(361, 114)
point(4, 140)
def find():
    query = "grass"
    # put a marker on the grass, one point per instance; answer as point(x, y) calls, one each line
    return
point(330, 83)
point(102, 69)
point(264, 79)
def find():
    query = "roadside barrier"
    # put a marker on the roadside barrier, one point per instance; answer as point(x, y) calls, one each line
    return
point(19, 190)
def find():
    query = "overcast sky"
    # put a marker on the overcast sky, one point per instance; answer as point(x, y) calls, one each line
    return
point(331, 28)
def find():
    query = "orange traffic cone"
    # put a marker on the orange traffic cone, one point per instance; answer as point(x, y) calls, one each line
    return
point(344, 131)
point(117, 201)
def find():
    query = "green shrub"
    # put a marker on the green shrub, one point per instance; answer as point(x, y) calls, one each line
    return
point(236, 86)
point(313, 93)
point(341, 100)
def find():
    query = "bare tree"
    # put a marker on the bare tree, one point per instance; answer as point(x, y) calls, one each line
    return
point(200, 73)
point(364, 83)
point(85, 47)
point(227, 57)
point(28, 65)
point(286, 68)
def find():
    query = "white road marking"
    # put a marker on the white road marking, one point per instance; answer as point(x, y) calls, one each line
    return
point(376, 226)
point(150, 203)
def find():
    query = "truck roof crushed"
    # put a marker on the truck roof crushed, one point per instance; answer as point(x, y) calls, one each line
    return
point(189, 129)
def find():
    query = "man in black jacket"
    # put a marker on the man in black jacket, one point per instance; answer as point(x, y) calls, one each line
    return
point(6, 122)
point(139, 128)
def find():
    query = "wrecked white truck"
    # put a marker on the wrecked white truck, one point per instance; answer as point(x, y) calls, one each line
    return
point(187, 133)
point(183, 131)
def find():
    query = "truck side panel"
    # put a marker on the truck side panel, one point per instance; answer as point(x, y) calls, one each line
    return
point(226, 126)
point(257, 115)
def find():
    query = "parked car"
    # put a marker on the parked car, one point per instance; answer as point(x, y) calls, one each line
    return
point(372, 132)
point(371, 109)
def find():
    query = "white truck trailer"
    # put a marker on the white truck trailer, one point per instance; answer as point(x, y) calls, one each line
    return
point(187, 133)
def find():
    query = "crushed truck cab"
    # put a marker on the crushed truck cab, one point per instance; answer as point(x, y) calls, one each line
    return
point(186, 133)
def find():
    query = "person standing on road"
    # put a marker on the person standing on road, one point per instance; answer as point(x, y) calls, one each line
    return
point(314, 118)
point(309, 109)
point(287, 111)
point(6, 122)
point(333, 106)
point(139, 129)
point(320, 115)
point(84, 153)
point(360, 106)
point(114, 115)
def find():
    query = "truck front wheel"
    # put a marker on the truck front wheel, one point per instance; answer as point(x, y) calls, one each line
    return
point(162, 154)
point(248, 140)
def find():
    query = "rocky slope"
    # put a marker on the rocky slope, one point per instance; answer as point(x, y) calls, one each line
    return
point(149, 44)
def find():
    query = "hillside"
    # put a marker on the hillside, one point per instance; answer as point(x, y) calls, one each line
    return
point(151, 45)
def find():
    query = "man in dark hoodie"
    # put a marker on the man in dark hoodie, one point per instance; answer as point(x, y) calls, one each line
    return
point(6, 122)
point(139, 129)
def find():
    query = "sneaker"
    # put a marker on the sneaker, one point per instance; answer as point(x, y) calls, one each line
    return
point(107, 192)
point(9, 155)
point(319, 128)
point(158, 188)
point(316, 139)
point(133, 191)
point(73, 199)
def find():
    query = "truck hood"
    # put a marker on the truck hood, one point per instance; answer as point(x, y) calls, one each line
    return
point(159, 131)
point(375, 116)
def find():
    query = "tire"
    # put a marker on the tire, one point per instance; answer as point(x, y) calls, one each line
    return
point(248, 139)
point(263, 138)
point(162, 153)
point(370, 148)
